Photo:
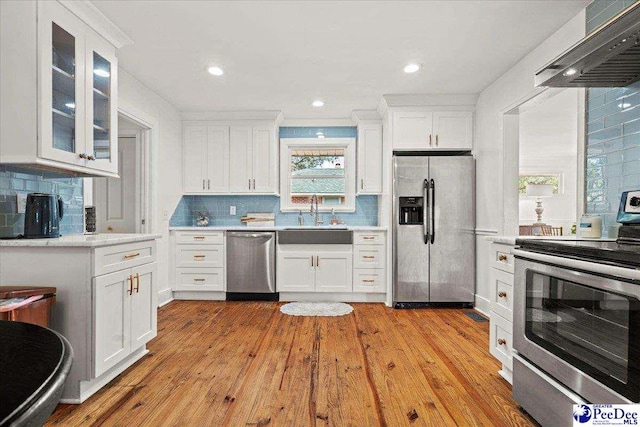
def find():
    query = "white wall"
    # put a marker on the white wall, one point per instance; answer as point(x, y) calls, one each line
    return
point(502, 94)
point(549, 144)
point(135, 97)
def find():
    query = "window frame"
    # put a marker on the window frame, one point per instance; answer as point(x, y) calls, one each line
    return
point(288, 145)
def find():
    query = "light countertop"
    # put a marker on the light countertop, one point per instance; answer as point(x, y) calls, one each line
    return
point(279, 228)
point(85, 240)
point(511, 240)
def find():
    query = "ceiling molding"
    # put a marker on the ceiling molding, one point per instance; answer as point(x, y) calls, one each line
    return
point(87, 12)
point(365, 117)
point(316, 122)
point(429, 100)
point(271, 115)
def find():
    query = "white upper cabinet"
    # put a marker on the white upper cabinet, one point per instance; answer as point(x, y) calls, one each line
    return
point(453, 129)
point(241, 159)
point(412, 129)
point(369, 155)
point(229, 159)
point(68, 121)
point(432, 130)
point(217, 159)
point(194, 159)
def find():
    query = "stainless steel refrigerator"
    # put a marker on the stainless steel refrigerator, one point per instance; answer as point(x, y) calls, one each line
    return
point(434, 237)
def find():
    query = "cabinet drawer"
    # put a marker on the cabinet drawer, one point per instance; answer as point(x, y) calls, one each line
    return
point(368, 238)
point(368, 257)
point(500, 339)
point(502, 298)
point(501, 257)
point(366, 280)
point(200, 256)
point(200, 279)
point(109, 259)
point(200, 237)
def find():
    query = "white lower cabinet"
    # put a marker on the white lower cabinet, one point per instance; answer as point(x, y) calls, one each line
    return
point(198, 263)
point(369, 261)
point(314, 268)
point(501, 316)
point(124, 314)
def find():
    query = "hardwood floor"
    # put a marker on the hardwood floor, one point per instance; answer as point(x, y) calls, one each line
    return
point(247, 364)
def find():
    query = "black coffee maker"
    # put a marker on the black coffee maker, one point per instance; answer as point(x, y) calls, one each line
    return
point(42, 216)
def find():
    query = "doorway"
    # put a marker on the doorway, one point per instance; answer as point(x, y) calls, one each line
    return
point(543, 170)
point(119, 202)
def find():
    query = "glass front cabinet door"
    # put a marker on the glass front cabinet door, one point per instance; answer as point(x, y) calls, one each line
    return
point(102, 141)
point(78, 110)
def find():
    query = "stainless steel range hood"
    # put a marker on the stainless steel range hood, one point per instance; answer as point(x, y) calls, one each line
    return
point(608, 57)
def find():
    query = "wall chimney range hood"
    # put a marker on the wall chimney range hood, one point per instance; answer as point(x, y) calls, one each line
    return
point(608, 57)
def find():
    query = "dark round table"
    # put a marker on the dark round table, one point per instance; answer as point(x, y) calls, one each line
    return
point(34, 363)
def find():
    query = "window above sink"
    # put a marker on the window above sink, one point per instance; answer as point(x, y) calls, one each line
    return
point(325, 169)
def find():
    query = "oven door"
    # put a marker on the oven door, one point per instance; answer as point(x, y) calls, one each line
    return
point(580, 327)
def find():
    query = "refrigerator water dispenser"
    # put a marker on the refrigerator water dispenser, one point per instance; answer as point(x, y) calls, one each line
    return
point(411, 210)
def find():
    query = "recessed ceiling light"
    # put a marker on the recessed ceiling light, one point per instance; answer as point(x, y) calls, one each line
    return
point(215, 71)
point(101, 73)
point(411, 68)
point(317, 103)
point(570, 72)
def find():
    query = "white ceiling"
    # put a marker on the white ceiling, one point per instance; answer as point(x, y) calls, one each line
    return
point(281, 55)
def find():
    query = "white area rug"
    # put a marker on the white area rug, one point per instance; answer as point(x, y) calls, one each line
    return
point(316, 309)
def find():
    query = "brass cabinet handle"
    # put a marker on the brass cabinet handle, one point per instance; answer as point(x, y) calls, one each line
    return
point(368, 257)
point(502, 257)
point(137, 283)
point(130, 284)
point(368, 281)
point(502, 294)
point(249, 183)
point(311, 260)
point(82, 155)
point(199, 257)
point(318, 261)
point(198, 280)
point(208, 184)
point(368, 238)
point(203, 184)
point(501, 341)
point(361, 184)
point(436, 139)
point(429, 139)
point(254, 183)
point(91, 157)
point(129, 256)
point(198, 237)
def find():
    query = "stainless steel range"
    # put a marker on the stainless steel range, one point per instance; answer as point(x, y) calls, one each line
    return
point(577, 323)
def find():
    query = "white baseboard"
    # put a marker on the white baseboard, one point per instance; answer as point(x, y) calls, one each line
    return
point(483, 305)
point(335, 297)
point(200, 295)
point(88, 388)
point(165, 296)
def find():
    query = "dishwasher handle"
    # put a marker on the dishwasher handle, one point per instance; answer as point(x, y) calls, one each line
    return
point(250, 235)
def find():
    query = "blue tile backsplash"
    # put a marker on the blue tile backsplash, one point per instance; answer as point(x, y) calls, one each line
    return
point(17, 180)
point(613, 133)
point(217, 208)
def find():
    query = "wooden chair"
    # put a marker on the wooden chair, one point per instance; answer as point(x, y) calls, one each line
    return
point(548, 230)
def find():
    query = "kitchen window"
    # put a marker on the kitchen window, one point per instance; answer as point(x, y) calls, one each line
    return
point(324, 169)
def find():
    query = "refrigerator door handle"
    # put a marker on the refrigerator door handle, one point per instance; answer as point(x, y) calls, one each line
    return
point(432, 215)
point(425, 211)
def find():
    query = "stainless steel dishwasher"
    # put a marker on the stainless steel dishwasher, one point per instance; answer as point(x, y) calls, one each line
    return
point(251, 266)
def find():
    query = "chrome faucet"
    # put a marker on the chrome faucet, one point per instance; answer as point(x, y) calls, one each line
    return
point(317, 220)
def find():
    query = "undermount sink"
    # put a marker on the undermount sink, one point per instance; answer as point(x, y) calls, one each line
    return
point(315, 236)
